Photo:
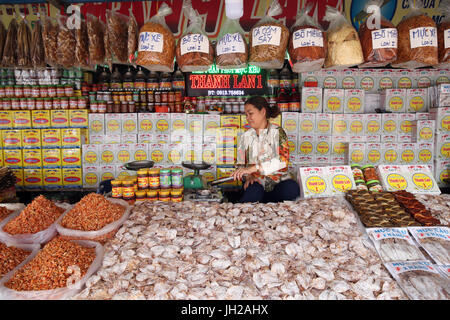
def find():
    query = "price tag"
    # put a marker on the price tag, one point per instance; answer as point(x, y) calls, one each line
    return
point(307, 38)
point(231, 43)
point(194, 43)
point(423, 37)
point(266, 35)
point(151, 41)
point(384, 38)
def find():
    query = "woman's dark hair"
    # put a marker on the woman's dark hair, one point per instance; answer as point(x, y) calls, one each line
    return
point(259, 103)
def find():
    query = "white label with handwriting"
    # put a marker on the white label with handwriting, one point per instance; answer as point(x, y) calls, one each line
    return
point(266, 35)
point(447, 38)
point(384, 38)
point(231, 43)
point(151, 41)
point(423, 37)
point(307, 38)
point(195, 42)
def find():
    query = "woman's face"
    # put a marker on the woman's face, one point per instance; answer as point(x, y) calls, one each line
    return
point(255, 118)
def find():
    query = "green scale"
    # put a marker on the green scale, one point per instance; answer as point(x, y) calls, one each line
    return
point(195, 181)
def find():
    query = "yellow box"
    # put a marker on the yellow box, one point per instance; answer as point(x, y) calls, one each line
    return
point(225, 156)
point(230, 121)
point(73, 137)
point(6, 120)
point(59, 118)
point(21, 119)
point(12, 157)
point(244, 122)
point(226, 137)
point(225, 172)
point(78, 118)
point(71, 158)
point(52, 178)
point(32, 158)
point(2, 163)
point(12, 139)
point(40, 119)
point(19, 176)
point(276, 120)
point(31, 138)
point(51, 158)
point(32, 178)
point(51, 138)
point(72, 177)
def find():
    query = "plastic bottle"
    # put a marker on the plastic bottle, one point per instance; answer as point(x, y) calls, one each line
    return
point(128, 80)
point(140, 82)
point(283, 100)
point(178, 82)
point(294, 104)
point(273, 82)
point(285, 77)
point(165, 83)
point(153, 81)
point(116, 80)
point(104, 79)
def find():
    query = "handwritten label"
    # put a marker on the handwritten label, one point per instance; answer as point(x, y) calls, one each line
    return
point(307, 38)
point(384, 38)
point(423, 37)
point(447, 38)
point(231, 43)
point(194, 43)
point(266, 35)
point(151, 41)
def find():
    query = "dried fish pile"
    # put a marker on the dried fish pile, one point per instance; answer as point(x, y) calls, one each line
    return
point(438, 205)
point(309, 249)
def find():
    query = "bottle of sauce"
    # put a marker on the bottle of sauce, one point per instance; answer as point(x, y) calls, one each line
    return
point(104, 79)
point(116, 80)
point(128, 80)
point(165, 83)
point(273, 82)
point(285, 77)
point(153, 81)
point(294, 104)
point(139, 82)
point(283, 100)
point(178, 82)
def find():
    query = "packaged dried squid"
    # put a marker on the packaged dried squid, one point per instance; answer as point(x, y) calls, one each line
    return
point(50, 32)
point(2, 38)
point(420, 280)
point(394, 244)
point(37, 46)
point(23, 44)
point(435, 241)
point(9, 52)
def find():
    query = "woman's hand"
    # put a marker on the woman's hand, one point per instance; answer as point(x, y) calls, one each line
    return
point(239, 173)
point(249, 180)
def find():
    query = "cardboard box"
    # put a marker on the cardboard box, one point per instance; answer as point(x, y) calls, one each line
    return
point(372, 124)
point(161, 123)
point(59, 118)
point(21, 119)
point(417, 100)
point(226, 156)
point(356, 153)
point(340, 125)
point(373, 153)
point(195, 124)
point(72, 178)
point(71, 158)
point(393, 177)
point(113, 123)
point(349, 79)
point(394, 100)
point(354, 101)
point(52, 178)
point(226, 137)
point(340, 180)
point(408, 153)
point(146, 138)
point(128, 138)
point(146, 122)
point(108, 154)
point(33, 178)
point(367, 81)
point(91, 154)
point(423, 130)
point(13, 158)
point(140, 152)
point(324, 123)
point(97, 139)
point(51, 158)
point(390, 153)
point(175, 153)
point(40, 119)
point(123, 153)
point(425, 152)
point(232, 121)
point(333, 100)
point(129, 123)
point(442, 146)
point(31, 138)
point(329, 78)
point(305, 125)
point(276, 121)
point(91, 177)
point(121, 173)
point(422, 79)
point(385, 79)
point(112, 138)
point(178, 123)
point(311, 100)
point(225, 172)
point(290, 121)
point(421, 180)
point(405, 123)
point(292, 143)
point(107, 172)
point(96, 123)
point(339, 152)
point(78, 118)
point(442, 118)
point(51, 138)
point(72, 137)
point(404, 79)
point(322, 147)
point(209, 153)
point(32, 158)
point(12, 139)
point(389, 123)
point(306, 145)
point(193, 153)
point(244, 122)
point(356, 124)
point(314, 182)
point(6, 120)
point(442, 173)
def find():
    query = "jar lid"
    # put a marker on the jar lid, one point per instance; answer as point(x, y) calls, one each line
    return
point(367, 166)
point(355, 165)
point(142, 171)
point(360, 181)
point(164, 171)
point(372, 181)
point(116, 182)
point(141, 194)
point(177, 170)
point(164, 192)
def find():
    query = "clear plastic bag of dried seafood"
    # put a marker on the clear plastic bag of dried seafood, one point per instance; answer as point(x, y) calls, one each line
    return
point(117, 34)
point(66, 44)
point(16, 255)
point(93, 218)
point(82, 46)
point(2, 38)
point(307, 43)
point(50, 30)
point(9, 52)
point(231, 47)
point(133, 36)
point(156, 48)
point(268, 40)
point(379, 45)
point(344, 47)
point(417, 39)
point(443, 33)
point(435, 241)
point(420, 280)
point(194, 51)
point(37, 46)
point(24, 44)
point(96, 33)
point(394, 244)
point(66, 269)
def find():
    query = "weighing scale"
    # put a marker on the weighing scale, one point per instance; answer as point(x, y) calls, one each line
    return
point(196, 188)
point(136, 165)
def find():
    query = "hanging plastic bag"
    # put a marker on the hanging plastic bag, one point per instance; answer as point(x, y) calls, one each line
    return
point(96, 33)
point(117, 30)
point(379, 45)
point(50, 30)
point(443, 31)
point(2, 38)
point(194, 50)
point(82, 46)
point(23, 44)
point(156, 44)
point(133, 34)
point(268, 40)
point(344, 48)
point(417, 39)
point(231, 47)
point(9, 52)
point(307, 43)
point(37, 46)
point(66, 44)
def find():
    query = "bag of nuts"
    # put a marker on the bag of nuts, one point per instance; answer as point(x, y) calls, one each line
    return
point(231, 47)
point(194, 50)
point(133, 35)
point(379, 44)
point(268, 40)
point(417, 39)
point(9, 52)
point(307, 43)
point(96, 33)
point(156, 46)
point(50, 30)
point(344, 48)
point(117, 35)
point(443, 31)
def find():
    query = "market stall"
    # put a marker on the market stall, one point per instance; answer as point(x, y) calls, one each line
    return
point(122, 127)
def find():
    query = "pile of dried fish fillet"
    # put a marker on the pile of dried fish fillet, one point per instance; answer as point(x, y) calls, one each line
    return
point(310, 249)
point(439, 205)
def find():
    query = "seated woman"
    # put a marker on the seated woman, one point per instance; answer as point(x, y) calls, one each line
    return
point(264, 151)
